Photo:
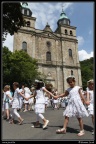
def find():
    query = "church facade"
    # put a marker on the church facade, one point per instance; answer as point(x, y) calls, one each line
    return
point(56, 52)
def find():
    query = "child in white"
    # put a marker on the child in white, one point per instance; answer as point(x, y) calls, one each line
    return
point(46, 100)
point(75, 106)
point(27, 93)
point(20, 97)
point(15, 103)
point(32, 100)
point(40, 102)
point(90, 97)
point(55, 101)
point(7, 96)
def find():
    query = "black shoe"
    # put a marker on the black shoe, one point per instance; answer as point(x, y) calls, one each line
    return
point(4, 117)
point(7, 119)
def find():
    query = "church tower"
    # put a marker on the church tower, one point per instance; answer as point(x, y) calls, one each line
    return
point(69, 48)
point(56, 52)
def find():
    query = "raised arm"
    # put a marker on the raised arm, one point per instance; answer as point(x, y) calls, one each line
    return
point(31, 96)
point(45, 90)
point(62, 95)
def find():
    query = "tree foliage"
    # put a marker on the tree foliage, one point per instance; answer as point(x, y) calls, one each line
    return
point(12, 18)
point(19, 66)
point(87, 71)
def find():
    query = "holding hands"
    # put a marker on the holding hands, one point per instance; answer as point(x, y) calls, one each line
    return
point(56, 97)
point(87, 102)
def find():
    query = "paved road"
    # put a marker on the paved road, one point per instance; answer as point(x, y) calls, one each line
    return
point(16, 132)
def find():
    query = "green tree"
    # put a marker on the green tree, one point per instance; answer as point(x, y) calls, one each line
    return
point(6, 65)
point(19, 66)
point(87, 71)
point(12, 18)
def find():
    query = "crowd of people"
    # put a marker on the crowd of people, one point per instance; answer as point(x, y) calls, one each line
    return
point(77, 103)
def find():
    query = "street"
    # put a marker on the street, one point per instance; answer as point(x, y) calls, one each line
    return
point(24, 132)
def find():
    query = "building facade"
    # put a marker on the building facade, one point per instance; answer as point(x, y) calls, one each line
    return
point(56, 52)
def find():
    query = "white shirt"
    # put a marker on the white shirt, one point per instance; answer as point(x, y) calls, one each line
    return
point(40, 97)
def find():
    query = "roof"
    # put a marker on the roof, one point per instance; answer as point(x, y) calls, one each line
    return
point(63, 15)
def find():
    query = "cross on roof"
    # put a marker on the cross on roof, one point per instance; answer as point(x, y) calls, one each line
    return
point(62, 7)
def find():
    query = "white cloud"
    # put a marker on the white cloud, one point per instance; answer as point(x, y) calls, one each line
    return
point(44, 12)
point(80, 40)
point(71, 11)
point(47, 12)
point(84, 55)
point(8, 42)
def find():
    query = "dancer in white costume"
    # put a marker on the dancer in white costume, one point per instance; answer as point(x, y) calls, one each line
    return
point(15, 103)
point(55, 101)
point(75, 106)
point(7, 97)
point(40, 102)
point(90, 97)
point(20, 97)
point(27, 93)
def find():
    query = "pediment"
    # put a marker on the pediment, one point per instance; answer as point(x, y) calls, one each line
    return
point(49, 34)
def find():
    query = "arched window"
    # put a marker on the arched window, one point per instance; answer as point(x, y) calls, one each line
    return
point(28, 23)
point(71, 72)
point(71, 32)
point(24, 46)
point(66, 32)
point(48, 56)
point(25, 12)
point(70, 52)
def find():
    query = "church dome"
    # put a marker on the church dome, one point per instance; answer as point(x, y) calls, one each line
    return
point(63, 20)
point(25, 10)
point(63, 15)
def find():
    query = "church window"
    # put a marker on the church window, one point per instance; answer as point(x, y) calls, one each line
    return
point(24, 46)
point(71, 32)
point(48, 56)
point(25, 12)
point(48, 43)
point(22, 11)
point(66, 32)
point(70, 52)
point(68, 23)
point(28, 23)
point(71, 72)
point(64, 21)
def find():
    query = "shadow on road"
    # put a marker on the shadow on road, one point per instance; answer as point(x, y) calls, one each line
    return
point(88, 128)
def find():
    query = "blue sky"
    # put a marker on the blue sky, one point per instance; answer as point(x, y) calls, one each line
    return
point(81, 15)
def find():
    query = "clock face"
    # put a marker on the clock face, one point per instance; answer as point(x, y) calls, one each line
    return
point(48, 43)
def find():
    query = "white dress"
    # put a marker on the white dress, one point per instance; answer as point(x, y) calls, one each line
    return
point(27, 94)
point(75, 106)
point(15, 103)
point(91, 106)
point(46, 100)
point(40, 101)
point(6, 99)
point(21, 98)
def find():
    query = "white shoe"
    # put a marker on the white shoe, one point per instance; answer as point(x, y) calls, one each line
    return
point(44, 126)
point(25, 111)
point(81, 133)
